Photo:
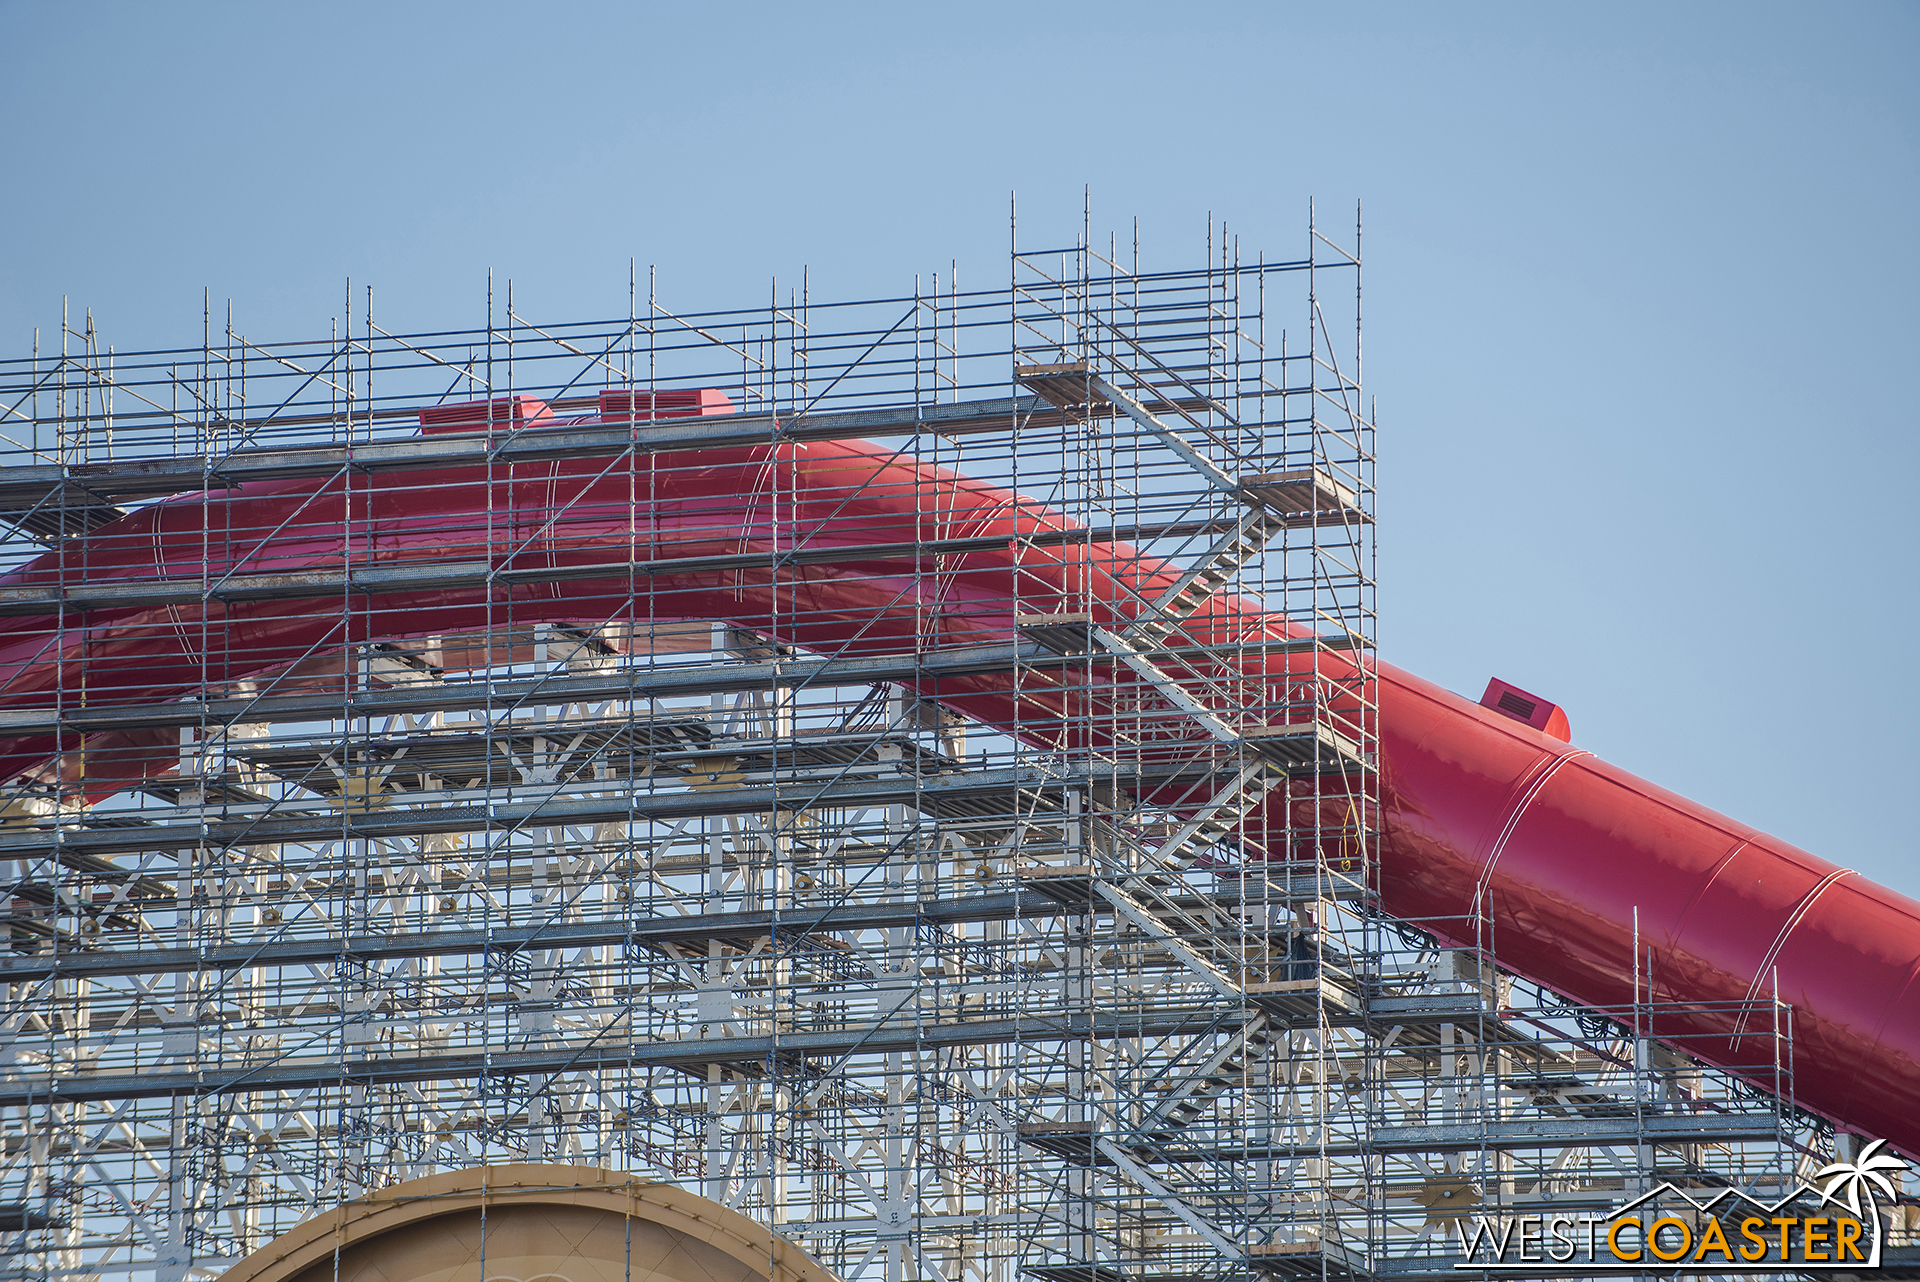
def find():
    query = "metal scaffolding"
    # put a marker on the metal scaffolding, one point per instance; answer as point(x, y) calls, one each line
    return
point(925, 866)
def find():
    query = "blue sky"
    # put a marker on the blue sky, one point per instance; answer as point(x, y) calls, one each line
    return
point(1641, 278)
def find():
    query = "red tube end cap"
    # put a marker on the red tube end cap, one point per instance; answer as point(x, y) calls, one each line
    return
point(1511, 701)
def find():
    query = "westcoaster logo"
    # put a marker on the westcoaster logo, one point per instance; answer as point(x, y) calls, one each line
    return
point(1831, 1223)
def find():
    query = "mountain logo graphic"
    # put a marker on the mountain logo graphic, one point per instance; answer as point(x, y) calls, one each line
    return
point(1832, 1222)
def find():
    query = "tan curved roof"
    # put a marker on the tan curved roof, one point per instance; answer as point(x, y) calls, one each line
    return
point(526, 1222)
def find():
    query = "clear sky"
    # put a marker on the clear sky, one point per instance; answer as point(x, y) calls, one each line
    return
point(1642, 290)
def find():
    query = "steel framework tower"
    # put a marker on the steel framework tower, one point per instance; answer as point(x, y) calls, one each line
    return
point(810, 764)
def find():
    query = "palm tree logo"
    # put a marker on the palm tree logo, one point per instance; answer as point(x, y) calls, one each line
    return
point(1863, 1175)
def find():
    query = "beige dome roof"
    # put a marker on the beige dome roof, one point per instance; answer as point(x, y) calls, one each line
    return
point(530, 1223)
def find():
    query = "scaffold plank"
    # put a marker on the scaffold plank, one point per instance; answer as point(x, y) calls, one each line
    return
point(564, 688)
point(595, 1053)
point(742, 927)
point(952, 794)
point(83, 595)
point(21, 487)
point(1509, 1135)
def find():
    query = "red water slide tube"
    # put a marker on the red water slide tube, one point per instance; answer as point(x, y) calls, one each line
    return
point(1555, 850)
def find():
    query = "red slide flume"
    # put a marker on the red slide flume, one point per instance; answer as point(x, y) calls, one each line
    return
point(1556, 851)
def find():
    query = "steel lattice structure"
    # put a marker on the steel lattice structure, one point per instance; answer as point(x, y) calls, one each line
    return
point(857, 872)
